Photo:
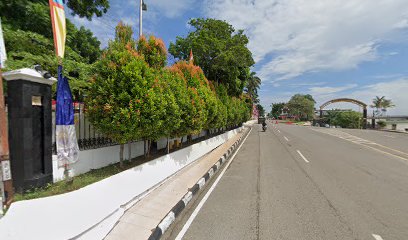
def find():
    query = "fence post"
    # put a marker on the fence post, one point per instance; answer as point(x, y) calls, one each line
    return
point(30, 128)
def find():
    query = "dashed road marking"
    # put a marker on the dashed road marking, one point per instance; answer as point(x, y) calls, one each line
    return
point(302, 156)
point(286, 138)
point(373, 145)
point(377, 237)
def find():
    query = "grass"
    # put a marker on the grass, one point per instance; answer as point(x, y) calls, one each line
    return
point(82, 180)
point(92, 176)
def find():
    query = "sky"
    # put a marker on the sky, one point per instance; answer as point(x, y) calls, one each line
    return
point(329, 49)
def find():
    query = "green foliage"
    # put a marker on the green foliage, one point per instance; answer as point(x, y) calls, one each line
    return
point(88, 8)
point(194, 80)
point(25, 49)
point(219, 50)
point(347, 119)
point(301, 106)
point(252, 86)
point(381, 104)
point(277, 109)
point(153, 51)
point(382, 124)
point(261, 109)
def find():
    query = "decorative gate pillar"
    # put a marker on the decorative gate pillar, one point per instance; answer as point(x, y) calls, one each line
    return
point(30, 128)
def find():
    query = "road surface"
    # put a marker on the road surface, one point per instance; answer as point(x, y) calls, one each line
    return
point(294, 182)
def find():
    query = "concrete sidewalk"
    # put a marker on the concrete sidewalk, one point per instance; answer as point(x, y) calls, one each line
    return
point(139, 221)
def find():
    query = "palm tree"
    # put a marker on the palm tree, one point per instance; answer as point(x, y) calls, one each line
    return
point(253, 84)
point(381, 104)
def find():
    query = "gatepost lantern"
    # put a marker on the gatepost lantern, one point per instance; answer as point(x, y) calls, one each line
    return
point(30, 127)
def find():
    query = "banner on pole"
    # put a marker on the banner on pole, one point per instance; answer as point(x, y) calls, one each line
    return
point(67, 144)
point(58, 26)
point(3, 55)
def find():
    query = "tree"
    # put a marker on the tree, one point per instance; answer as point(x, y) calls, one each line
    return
point(82, 8)
point(195, 112)
point(381, 104)
point(277, 109)
point(301, 106)
point(119, 93)
point(86, 44)
point(153, 51)
point(25, 49)
point(348, 119)
point(219, 50)
point(253, 84)
point(261, 109)
point(28, 38)
point(310, 97)
point(88, 8)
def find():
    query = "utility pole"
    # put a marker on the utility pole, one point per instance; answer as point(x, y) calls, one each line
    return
point(142, 7)
point(140, 18)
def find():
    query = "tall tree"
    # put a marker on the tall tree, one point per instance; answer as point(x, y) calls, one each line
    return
point(252, 86)
point(381, 104)
point(219, 50)
point(301, 106)
point(261, 109)
point(277, 109)
point(119, 92)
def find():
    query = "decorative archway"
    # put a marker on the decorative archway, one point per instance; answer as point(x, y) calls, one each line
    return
point(349, 100)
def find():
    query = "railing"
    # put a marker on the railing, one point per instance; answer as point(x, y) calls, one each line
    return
point(87, 136)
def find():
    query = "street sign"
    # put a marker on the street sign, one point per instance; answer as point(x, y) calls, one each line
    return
point(5, 170)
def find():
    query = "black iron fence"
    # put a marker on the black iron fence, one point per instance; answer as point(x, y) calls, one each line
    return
point(87, 136)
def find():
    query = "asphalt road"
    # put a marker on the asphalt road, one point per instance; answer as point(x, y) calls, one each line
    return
point(294, 182)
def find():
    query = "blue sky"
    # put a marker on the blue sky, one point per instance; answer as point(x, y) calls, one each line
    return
point(330, 49)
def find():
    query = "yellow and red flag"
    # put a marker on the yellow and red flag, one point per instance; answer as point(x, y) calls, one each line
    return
point(58, 26)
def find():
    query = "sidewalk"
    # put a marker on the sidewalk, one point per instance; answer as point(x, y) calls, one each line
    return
point(139, 221)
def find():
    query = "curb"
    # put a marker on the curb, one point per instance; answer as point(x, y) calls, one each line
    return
point(165, 223)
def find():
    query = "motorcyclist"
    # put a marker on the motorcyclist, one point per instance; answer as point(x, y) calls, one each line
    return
point(264, 125)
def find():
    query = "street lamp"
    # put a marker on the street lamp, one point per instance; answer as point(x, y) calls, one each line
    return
point(143, 7)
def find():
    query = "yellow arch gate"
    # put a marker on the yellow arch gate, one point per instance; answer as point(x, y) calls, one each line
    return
point(349, 100)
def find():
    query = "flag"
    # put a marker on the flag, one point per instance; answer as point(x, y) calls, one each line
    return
point(3, 55)
point(67, 144)
point(58, 26)
point(191, 56)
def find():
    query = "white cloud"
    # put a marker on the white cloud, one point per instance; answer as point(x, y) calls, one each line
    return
point(308, 36)
point(330, 90)
point(395, 90)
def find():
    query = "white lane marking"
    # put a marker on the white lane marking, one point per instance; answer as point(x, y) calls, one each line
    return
point(302, 156)
point(200, 205)
point(389, 136)
point(286, 138)
point(363, 142)
point(278, 131)
point(377, 237)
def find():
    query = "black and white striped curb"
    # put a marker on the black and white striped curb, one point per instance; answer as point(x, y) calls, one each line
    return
point(178, 208)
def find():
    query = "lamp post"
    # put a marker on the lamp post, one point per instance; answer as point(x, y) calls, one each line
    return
point(143, 7)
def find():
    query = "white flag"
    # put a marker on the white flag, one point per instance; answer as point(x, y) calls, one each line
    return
point(3, 55)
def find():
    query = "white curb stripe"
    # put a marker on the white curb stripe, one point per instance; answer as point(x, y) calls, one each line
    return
point(167, 221)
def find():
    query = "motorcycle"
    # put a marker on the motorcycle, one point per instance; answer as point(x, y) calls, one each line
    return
point(264, 128)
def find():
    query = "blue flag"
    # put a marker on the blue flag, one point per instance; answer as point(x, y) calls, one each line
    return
point(67, 144)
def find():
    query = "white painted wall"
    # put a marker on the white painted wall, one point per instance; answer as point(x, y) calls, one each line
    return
point(102, 157)
point(88, 213)
point(95, 159)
